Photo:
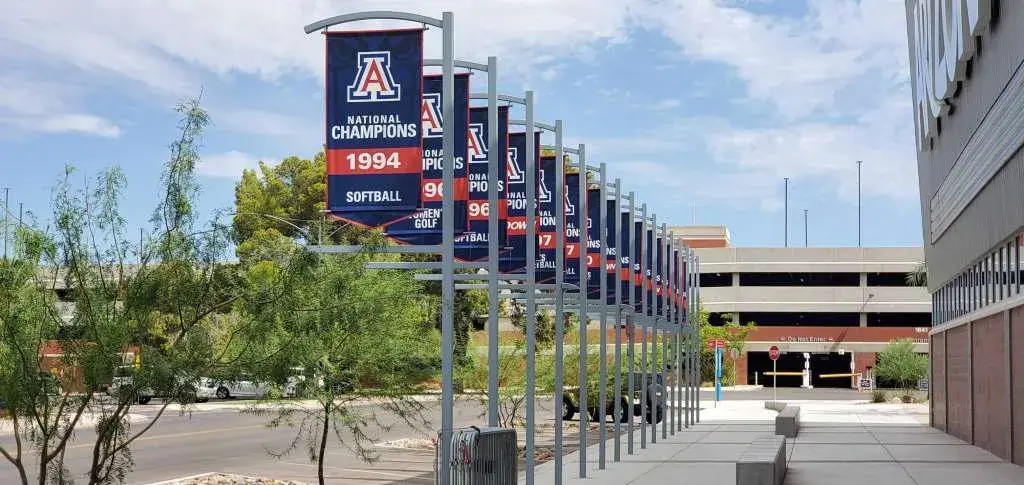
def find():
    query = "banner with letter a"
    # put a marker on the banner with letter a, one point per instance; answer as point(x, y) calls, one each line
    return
point(595, 261)
point(374, 148)
point(548, 187)
point(424, 227)
point(571, 243)
point(514, 261)
point(625, 257)
point(472, 245)
point(610, 259)
point(638, 279)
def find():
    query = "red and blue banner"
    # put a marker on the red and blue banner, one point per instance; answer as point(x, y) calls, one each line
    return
point(472, 245)
point(571, 244)
point(638, 279)
point(595, 262)
point(374, 91)
point(424, 227)
point(659, 280)
point(610, 259)
point(648, 281)
point(514, 261)
point(548, 187)
point(625, 257)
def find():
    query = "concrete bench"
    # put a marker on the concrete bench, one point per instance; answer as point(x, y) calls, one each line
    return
point(787, 423)
point(763, 462)
point(775, 405)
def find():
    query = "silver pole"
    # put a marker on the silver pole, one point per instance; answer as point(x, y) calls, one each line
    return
point(652, 301)
point(602, 399)
point(786, 210)
point(805, 243)
point(688, 341)
point(447, 243)
point(663, 261)
point(7, 193)
point(643, 328)
point(696, 317)
point(531, 280)
point(678, 318)
point(493, 162)
point(618, 315)
point(631, 320)
point(584, 317)
point(559, 298)
point(692, 374)
point(859, 162)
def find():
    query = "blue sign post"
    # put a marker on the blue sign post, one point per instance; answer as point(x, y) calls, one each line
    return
point(718, 373)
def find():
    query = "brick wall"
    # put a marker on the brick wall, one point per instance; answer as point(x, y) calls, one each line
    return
point(991, 411)
point(861, 362)
point(938, 381)
point(958, 376)
point(741, 369)
point(1017, 352)
point(970, 397)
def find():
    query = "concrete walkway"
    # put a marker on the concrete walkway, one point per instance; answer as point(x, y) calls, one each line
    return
point(839, 443)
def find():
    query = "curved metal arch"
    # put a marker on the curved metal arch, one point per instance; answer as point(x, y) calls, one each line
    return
point(372, 15)
point(536, 124)
point(463, 64)
point(501, 97)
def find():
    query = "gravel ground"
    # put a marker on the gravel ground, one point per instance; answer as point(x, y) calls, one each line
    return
point(226, 479)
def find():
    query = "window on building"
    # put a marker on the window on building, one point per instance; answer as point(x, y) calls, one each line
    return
point(887, 279)
point(899, 319)
point(810, 319)
point(711, 280)
point(799, 279)
point(717, 319)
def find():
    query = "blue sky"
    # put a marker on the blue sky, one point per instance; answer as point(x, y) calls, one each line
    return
point(700, 106)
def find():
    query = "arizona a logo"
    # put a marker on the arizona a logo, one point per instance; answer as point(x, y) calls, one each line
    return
point(477, 145)
point(513, 172)
point(570, 209)
point(374, 81)
point(543, 193)
point(430, 116)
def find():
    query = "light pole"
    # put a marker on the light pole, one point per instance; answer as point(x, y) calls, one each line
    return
point(805, 228)
point(786, 210)
point(858, 204)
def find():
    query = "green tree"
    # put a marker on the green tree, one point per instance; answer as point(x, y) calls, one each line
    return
point(901, 365)
point(162, 308)
point(734, 334)
point(360, 337)
point(919, 276)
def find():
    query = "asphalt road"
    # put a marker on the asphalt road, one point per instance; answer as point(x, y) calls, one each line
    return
point(217, 438)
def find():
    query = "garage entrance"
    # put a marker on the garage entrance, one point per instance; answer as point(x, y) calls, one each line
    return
point(758, 363)
point(830, 363)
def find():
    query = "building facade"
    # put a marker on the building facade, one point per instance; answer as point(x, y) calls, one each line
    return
point(828, 310)
point(968, 98)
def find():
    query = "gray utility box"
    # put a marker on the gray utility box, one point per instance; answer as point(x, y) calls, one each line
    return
point(480, 456)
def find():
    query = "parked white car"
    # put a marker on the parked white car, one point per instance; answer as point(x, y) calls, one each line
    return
point(244, 386)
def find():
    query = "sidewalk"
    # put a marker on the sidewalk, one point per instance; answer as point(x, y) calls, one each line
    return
point(839, 443)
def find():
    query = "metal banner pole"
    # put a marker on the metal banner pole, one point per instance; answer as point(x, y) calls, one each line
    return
point(653, 302)
point(680, 338)
point(670, 306)
point(602, 400)
point(631, 320)
point(643, 328)
point(690, 400)
point(617, 385)
point(559, 298)
point(493, 162)
point(584, 317)
point(447, 239)
point(663, 262)
point(531, 281)
point(696, 329)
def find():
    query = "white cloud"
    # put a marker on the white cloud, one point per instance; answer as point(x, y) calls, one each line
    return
point(162, 44)
point(261, 122)
point(228, 164)
point(37, 106)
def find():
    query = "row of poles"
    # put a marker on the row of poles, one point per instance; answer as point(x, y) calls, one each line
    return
point(671, 261)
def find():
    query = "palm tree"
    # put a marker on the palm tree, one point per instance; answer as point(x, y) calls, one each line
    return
point(919, 276)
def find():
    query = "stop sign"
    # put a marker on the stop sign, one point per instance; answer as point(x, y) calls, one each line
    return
point(773, 352)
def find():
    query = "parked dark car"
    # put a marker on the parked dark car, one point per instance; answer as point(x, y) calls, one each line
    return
point(655, 406)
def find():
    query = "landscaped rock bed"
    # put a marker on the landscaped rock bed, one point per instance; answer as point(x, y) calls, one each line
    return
point(227, 479)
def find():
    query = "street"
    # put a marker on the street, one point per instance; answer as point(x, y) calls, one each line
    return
point(217, 437)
